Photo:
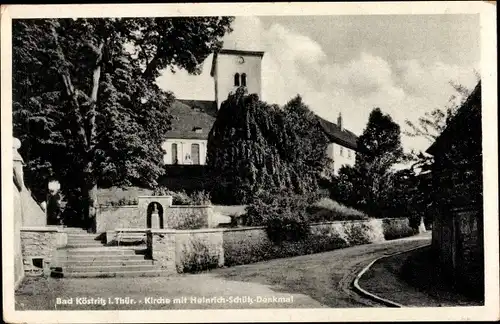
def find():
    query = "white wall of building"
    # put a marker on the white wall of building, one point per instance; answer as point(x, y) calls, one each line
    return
point(341, 156)
point(228, 65)
point(184, 148)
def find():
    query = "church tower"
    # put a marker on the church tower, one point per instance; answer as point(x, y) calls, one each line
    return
point(234, 68)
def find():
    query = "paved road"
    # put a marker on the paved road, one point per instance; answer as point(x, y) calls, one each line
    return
point(309, 281)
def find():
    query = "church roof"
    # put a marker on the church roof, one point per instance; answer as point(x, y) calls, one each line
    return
point(192, 119)
point(337, 135)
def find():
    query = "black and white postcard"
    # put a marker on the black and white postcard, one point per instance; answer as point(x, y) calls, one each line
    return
point(234, 162)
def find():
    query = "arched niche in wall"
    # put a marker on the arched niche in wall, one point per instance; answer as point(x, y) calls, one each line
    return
point(146, 208)
point(154, 209)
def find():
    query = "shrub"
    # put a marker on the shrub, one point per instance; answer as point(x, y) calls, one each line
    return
point(397, 228)
point(358, 233)
point(324, 239)
point(282, 213)
point(192, 221)
point(327, 209)
point(200, 198)
point(112, 195)
point(197, 258)
point(282, 225)
point(182, 198)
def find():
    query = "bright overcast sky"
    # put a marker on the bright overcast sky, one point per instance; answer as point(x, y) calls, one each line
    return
point(402, 64)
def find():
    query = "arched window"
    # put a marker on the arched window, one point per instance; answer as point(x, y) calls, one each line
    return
point(174, 153)
point(195, 153)
point(244, 79)
point(237, 80)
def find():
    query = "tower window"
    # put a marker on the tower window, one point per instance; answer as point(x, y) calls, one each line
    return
point(244, 79)
point(237, 80)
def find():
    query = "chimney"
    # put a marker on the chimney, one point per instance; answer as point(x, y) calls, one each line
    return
point(339, 122)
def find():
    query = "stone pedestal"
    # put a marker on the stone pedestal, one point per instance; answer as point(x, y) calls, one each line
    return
point(155, 221)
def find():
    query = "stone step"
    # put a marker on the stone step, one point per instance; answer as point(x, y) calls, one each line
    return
point(93, 243)
point(86, 239)
point(75, 230)
point(108, 268)
point(131, 237)
point(99, 258)
point(84, 245)
point(82, 236)
point(102, 250)
point(102, 262)
point(146, 273)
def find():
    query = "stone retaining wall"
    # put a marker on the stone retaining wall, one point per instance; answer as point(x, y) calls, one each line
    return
point(38, 245)
point(110, 218)
point(194, 250)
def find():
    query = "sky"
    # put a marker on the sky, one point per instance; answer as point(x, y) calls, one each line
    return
point(351, 64)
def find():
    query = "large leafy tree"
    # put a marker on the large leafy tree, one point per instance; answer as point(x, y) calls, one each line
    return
point(430, 126)
point(432, 123)
point(367, 185)
point(254, 146)
point(85, 102)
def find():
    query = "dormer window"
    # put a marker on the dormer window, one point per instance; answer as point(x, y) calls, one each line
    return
point(197, 129)
point(237, 80)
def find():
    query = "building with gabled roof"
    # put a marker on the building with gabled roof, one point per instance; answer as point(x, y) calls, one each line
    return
point(192, 120)
point(457, 188)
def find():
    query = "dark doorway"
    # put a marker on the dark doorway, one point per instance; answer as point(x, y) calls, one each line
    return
point(154, 206)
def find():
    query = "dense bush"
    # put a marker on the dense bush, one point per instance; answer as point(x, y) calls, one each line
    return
point(197, 257)
point(192, 221)
point(323, 239)
point(397, 228)
point(282, 213)
point(359, 233)
point(327, 209)
point(184, 199)
point(116, 196)
point(200, 198)
point(285, 226)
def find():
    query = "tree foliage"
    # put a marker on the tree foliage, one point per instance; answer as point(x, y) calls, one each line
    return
point(254, 146)
point(85, 105)
point(432, 123)
point(368, 185)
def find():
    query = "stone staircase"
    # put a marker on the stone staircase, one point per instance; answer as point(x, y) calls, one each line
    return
point(86, 257)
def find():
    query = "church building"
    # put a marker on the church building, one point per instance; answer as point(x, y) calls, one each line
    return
point(192, 120)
